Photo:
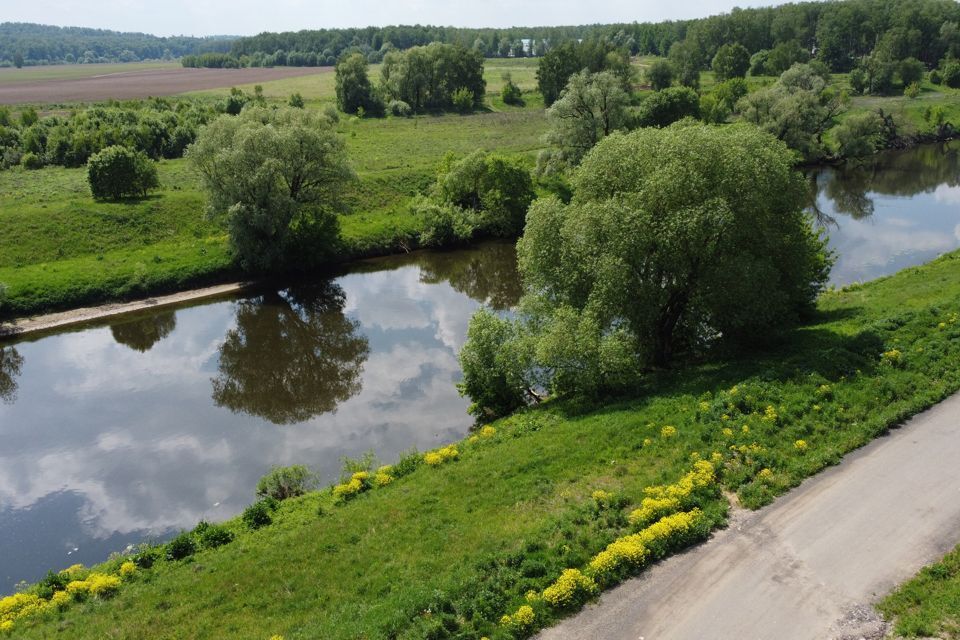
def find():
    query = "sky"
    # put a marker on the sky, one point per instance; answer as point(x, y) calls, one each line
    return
point(248, 17)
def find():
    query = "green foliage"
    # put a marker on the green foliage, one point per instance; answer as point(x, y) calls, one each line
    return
point(731, 61)
point(286, 482)
point(463, 100)
point(31, 161)
point(510, 93)
point(258, 514)
point(427, 78)
point(912, 90)
point(783, 56)
point(118, 172)
point(276, 177)
point(353, 87)
point(444, 225)
point(211, 536)
point(858, 135)
point(563, 61)
point(591, 107)
point(28, 117)
point(673, 235)
point(951, 74)
point(181, 547)
point(496, 189)
point(493, 367)
point(296, 101)
point(665, 107)
point(399, 108)
point(798, 109)
point(687, 59)
point(660, 74)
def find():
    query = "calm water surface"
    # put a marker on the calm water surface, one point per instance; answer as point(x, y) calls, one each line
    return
point(119, 433)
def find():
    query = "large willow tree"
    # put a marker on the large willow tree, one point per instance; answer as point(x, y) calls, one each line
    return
point(675, 237)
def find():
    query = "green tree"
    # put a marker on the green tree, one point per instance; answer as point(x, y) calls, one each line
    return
point(592, 106)
point(731, 61)
point(354, 91)
point(783, 56)
point(858, 135)
point(798, 109)
point(494, 369)
point(510, 93)
point(296, 101)
point(275, 177)
point(118, 172)
point(666, 107)
point(18, 60)
point(675, 236)
point(561, 62)
point(660, 75)
point(688, 61)
point(493, 190)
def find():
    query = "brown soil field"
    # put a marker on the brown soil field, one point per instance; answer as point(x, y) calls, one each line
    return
point(126, 85)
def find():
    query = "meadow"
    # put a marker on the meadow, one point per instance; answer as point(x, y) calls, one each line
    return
point(929, 604)
point(446, 549)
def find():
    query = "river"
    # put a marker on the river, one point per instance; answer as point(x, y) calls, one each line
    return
point(126, 431)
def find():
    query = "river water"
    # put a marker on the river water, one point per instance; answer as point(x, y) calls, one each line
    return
point(120, 432)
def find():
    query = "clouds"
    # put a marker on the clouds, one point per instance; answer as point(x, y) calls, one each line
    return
point(248, 17)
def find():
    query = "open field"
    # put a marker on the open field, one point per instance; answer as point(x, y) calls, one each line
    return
point(456, 546)
point(117, 83)
point(12, 75)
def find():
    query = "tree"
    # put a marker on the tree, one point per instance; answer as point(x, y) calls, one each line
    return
point(858, 135)
point(296, 101)
point(510, 93)
point(731, 61)
point(18, 60)
point(290, 357)
point(798, 109)
point(496, 190)
point(353, 87)
point(675, 237)
point(493, 369)
point(118, 172)
point(783, 56)
point(592, 106)
point(951, 74)
point(561, 62)
point(427, 77)
point(275, 177)
point(660, 74)
point(687, 60)
point(666, 107)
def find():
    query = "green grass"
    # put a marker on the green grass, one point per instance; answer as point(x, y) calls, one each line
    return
point(459, 545)
point(929, 604)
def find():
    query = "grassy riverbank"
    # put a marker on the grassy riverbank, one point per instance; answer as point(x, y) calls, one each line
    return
point(928, 606)
point(446, 550)
point(60, 249)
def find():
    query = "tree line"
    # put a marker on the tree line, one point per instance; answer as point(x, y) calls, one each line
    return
point(26, 44)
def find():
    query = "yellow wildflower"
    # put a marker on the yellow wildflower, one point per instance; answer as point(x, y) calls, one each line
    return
point(765, 474)
point(382, 479)
point(439, 456)
point(127, 569)
point(647, 442)
point(800, 445)
point(488, 431)
point(728, 432)
point(668, 432)
point(569, 590)
point(745, 428)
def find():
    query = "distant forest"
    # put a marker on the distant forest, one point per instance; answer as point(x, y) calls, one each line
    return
point(839, 33)
point(25, 44)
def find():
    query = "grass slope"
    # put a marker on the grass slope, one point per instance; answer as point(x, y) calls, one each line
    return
point(443, 552)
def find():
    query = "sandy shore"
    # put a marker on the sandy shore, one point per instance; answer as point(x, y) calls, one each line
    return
point(50, 321)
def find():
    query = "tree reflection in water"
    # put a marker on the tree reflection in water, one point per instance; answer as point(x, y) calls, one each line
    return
point(293, 355)
point(896, 173)
point(487, 274)
point(11, 363)
point(141, 334)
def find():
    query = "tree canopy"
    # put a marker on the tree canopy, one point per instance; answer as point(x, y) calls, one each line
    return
point(675, 237)
point(275, 176)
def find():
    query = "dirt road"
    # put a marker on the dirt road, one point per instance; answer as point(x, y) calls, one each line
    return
point(809, 566)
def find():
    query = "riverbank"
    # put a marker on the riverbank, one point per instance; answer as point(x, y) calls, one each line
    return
point(48, 322)
point(451, 546)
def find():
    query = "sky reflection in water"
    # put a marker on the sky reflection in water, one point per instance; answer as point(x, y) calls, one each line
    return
point(114, 435)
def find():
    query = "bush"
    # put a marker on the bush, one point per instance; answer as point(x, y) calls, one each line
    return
point(181, 547)
point(258, 514)
point(399, 108)
point(296, 101)
point(118, 172)
point(331, 113)
point(444, 225)
point(510, 93)
point(731, 61)
point(408, 463)
point(935, 77)
point(31, 161)
point(463, 100)
point(146, 556)
point(496, 188)
point(665, 107)
point(212, 536)
point(660, 75)
point(951, 74)
point(912, 90)
point(285, 482)
point(858, 135)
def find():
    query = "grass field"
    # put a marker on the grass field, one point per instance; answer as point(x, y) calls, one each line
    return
point(928, 606)
point(447, 550)
point(60, 248)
